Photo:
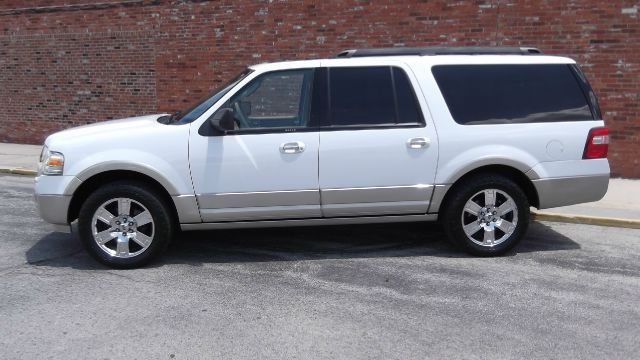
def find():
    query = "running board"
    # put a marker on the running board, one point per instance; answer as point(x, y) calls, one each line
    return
point(309, 222)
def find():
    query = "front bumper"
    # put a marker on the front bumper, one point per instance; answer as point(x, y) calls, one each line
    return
point(53, 208)
point(53, 196)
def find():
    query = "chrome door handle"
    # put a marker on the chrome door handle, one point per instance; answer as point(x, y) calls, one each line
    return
point(418, 143)
point(292, 147)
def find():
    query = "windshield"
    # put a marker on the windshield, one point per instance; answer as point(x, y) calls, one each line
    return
point(204, 104)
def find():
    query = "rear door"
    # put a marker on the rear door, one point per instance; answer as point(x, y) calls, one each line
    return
point(377, 154)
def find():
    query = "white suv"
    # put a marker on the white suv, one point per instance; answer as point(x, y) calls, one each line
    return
point(472, 136)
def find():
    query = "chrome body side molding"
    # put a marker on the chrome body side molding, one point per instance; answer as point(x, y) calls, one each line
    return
point(376, 194)
point(260, 213)
point(375, 200)
point(258, 199)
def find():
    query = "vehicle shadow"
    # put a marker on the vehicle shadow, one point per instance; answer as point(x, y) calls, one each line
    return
point(295, 244)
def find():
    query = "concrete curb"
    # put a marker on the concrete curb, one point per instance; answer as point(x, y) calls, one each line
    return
point(18, 171)
point(584, 219)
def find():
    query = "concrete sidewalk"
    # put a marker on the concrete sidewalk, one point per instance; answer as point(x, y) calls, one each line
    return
point(619, 207)
point(19, 156)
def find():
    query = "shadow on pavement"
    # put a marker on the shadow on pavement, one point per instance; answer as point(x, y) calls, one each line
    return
point(293, 244)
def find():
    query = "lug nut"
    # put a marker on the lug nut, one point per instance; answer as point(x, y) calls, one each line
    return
point(130, 230)
point(117, 222)
point(131, 224)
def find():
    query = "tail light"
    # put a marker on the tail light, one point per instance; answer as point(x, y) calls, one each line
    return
point(597, 145)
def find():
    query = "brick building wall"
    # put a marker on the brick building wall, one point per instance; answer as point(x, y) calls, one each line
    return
point(69, 62)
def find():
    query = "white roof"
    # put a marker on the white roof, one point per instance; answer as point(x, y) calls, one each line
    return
point(427, 60)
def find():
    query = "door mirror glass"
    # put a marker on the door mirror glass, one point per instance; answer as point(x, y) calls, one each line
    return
point(222, 120)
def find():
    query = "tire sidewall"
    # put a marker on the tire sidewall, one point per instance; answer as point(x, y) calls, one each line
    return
point(163, 224)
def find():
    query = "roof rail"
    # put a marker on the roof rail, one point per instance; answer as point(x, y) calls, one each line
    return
point(429, 51)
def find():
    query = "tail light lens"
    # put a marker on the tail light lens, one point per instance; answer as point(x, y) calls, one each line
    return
point(597, 145)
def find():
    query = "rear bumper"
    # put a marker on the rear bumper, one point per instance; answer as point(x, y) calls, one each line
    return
point(53, 208)
point(554, 192)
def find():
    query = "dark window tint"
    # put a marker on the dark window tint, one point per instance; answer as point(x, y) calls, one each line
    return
point(361, 96)
point(586, 88)
point(493, 94)
point(408, 109)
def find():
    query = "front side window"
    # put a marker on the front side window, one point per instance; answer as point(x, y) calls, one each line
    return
point(278, 99)
point(371, 96)
point(524, 93)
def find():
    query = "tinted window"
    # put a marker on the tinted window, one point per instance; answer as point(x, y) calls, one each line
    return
point(492, 94)
point(408, 109)
point(361, 96)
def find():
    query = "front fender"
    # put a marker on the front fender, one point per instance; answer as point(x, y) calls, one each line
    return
point(167, 177)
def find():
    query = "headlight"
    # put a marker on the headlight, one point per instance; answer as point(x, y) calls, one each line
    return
point(51, 162)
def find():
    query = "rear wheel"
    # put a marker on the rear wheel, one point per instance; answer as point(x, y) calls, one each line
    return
point(125, 225)
point(486, 215)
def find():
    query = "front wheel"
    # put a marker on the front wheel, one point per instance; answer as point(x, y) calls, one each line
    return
point(486, 215)
point(125, 225)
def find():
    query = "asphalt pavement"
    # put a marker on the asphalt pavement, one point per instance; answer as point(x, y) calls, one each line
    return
point(347, 292)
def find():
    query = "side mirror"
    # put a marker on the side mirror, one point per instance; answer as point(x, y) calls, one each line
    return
point(222, 120)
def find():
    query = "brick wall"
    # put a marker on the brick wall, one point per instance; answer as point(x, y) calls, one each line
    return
point(70, 62)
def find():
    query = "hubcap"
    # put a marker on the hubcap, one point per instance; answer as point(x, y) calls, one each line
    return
point(489, 217)
point(123, 227)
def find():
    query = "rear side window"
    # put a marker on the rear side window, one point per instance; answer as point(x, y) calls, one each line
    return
point(380, 95)
point(496, 94)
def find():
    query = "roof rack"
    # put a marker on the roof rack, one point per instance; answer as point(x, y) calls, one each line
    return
point(429, 51)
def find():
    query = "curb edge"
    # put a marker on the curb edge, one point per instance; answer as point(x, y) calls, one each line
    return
point(584, 219)
point(18, 171)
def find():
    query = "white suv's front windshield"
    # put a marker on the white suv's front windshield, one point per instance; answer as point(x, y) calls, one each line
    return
point(204, 104)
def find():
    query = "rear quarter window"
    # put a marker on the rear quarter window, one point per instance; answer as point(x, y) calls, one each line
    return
point(499, 94)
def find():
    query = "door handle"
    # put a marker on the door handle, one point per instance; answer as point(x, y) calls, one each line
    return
point(292, 147)
point(418, 143)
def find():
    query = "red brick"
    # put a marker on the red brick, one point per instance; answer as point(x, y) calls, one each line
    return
point(69, 62)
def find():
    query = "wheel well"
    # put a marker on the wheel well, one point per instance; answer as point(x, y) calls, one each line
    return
point(507, 171)
point(98, 180)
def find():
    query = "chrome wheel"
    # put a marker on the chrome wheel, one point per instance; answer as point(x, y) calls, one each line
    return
point(122, 227)
point(489, 217)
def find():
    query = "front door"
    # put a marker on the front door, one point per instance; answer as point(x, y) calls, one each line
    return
point(267, 167)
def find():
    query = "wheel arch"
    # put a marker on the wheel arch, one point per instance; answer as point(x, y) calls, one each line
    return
point(505, 170)
point(99, 179)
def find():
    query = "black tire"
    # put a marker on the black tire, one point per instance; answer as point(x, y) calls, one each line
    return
point(454, 217)
point(162, 225)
